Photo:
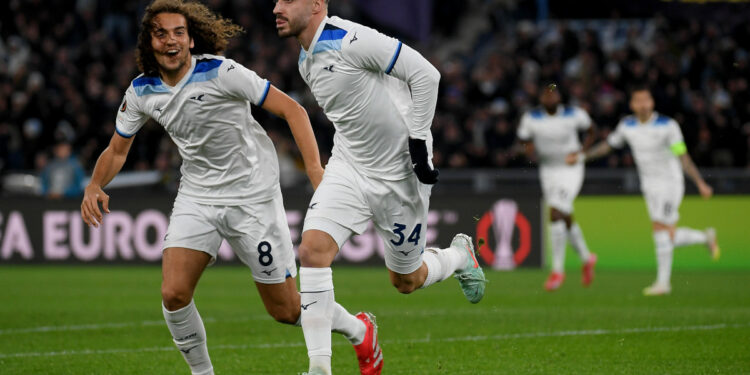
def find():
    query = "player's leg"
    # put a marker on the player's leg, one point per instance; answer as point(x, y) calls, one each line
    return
point(684, 236)
point(571, 182)
point(181, 270)
point(190, 245)
point(337, 211)
point(401, 221)
point(663, 210)
point(557, 240)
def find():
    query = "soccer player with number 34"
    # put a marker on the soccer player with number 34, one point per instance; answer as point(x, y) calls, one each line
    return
point(380, 95)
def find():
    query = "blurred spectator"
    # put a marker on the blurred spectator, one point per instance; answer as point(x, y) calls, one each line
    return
point(63, 176)
point(71, 60)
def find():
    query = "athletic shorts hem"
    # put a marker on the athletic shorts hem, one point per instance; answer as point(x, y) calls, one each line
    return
point(338, 232)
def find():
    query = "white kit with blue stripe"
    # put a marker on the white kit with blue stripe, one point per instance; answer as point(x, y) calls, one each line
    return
point(227, 158)
point(554, 136)
point(650, 142)
point(377, 92)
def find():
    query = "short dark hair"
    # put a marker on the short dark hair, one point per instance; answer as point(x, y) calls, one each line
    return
point(638, 87)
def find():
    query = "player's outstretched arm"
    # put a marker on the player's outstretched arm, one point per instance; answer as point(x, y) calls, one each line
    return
point(692, 171)
point(597, 151)
point(280, 104)
point(107, 166)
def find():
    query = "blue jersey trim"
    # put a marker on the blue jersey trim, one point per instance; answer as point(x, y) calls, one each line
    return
point(302, 56)
point(205, 70)
point(569, 112)
point(265, 94)
point(123, 134)
point(661, 120)
point(327, 45)
point(393, 60)
point(630, 121)
point(148, 85)
point(331, 32)
point(536, 113)
point(330, 39)
point(288, 274)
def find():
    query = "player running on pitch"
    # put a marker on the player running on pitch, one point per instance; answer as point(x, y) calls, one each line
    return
point(661, 156)
point(380, 95)
point(552, 131)
point(230, 177)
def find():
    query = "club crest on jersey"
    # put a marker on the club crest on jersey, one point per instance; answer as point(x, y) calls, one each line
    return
point(124, 106)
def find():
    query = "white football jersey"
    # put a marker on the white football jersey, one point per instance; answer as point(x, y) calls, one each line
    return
point(227, 158)
point(349, 68)
point(554, 136)
point(654, 144)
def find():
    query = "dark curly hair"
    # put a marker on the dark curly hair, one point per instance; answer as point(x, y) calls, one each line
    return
point(210, 32)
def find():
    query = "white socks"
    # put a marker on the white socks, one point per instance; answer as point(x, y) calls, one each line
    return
point(557, 236)
point(687, 236)
point(664, 252)
point(575, 236)
point(316, 291)
point(442, 263)
point(189, 335)
point(348, 325)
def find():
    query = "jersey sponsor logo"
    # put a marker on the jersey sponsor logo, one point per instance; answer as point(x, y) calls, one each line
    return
point(268, 273)
point(124, 106)
point(198, 97)
point(328, 68)
point(304, 307)
point(158, 110)
point(230, 67)
point(312, 206)
point(354, 38)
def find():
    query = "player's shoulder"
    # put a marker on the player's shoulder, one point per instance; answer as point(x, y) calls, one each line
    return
point(536, 113)
point(661, 120)
point(350, 33)
point(628, 121)
point(144, 85)
point(205, 63)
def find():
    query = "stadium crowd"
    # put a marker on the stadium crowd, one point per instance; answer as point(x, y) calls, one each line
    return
point(65, 64)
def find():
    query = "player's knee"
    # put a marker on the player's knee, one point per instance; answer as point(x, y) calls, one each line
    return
point(175, 298)
point(405, 285)
point(313, 256)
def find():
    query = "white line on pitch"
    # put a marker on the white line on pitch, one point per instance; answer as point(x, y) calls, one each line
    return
point(509, 336)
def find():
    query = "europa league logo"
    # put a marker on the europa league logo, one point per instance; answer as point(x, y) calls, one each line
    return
point(504, 218)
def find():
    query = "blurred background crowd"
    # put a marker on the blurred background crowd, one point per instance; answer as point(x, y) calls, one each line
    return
point(65, 64)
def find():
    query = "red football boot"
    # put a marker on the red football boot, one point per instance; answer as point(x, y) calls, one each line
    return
point(588, 271)
point(554, 281)
point(368, 352)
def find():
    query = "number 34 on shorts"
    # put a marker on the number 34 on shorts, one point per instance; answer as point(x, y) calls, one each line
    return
point(398, 230)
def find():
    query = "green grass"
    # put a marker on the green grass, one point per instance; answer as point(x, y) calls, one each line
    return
point(702, 328)
point(619, 231)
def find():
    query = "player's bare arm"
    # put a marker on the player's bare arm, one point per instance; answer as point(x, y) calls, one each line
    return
point(590, 138)
point(597, 151)
point(692, 171)
point(528, 150)
point(107, 166)
point(285, 107)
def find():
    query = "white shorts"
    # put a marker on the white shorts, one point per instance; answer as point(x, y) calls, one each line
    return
point(257, 232)
point(346, 200)
point(664, 204)
point(561, 185)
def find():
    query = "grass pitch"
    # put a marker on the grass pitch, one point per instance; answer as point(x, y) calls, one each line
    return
point(107, 320)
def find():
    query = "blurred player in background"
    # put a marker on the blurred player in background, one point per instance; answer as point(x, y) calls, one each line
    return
point(552, 131)
point(230, 178)
point(661, 157)
point(380, 95)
